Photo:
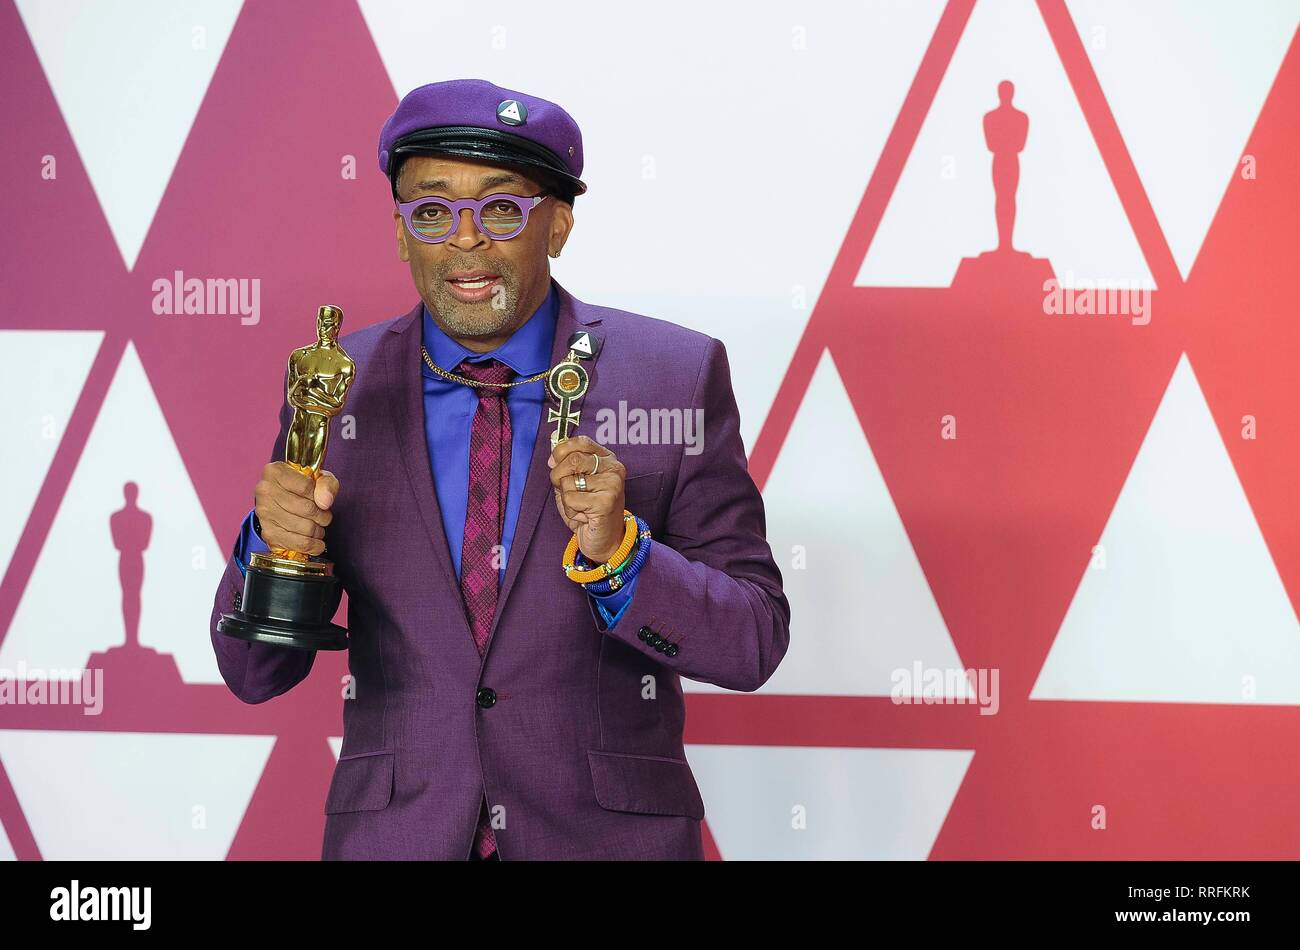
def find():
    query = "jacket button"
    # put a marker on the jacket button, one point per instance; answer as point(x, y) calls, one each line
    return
point(645, 633)
point(485, 697)
point(671, 649)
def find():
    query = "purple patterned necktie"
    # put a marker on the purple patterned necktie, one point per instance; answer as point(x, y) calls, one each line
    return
point(485, 510)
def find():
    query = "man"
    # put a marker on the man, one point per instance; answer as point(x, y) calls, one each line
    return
point(508, 707)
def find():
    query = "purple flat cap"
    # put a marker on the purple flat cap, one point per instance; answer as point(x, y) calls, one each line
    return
point(475, 119)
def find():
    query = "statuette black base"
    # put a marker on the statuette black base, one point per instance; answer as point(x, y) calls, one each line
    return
point(288, 611)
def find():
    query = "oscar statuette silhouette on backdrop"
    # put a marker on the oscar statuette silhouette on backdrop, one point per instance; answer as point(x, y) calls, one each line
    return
point(1006, 129)
point(131, 528)
point(289, 598)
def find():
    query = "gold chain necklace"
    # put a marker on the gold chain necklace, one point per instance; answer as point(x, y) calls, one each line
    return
point(466, 381)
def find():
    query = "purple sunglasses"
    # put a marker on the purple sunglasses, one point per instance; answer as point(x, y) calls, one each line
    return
point(500, 216)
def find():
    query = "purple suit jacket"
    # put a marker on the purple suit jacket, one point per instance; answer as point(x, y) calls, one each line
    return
point(583, 748)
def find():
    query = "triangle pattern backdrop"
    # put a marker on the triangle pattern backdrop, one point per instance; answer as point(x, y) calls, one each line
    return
point(860, 605)
point(1183, 602)
point(773, 803)
point(846, 342)
point(130, 443)
point(109, 795)
point(47, 370)
point(1066, 207)
point(129, 103)
point(1185, 105)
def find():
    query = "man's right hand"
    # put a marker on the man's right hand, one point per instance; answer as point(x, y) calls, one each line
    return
point(294, 510)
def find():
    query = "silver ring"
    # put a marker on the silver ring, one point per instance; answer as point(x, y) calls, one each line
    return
point(581, 482)
point(595, 468)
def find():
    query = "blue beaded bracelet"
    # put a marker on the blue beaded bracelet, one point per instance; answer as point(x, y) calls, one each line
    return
point(607, 585)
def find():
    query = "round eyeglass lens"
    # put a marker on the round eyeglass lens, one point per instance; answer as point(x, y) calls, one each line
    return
point(431, 219)
point(502, 216)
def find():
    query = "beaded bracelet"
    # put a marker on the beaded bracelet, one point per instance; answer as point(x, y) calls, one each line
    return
point(623, 574)
point(581, 562)
point(578, 576)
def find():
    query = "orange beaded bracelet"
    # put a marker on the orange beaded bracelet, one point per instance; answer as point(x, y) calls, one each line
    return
point(601, 570)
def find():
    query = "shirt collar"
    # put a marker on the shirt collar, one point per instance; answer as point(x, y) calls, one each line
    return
point(528, 350)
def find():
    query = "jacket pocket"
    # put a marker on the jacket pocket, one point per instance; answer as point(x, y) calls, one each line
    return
point(643, 488)
point(362, 782)
point(645, 784)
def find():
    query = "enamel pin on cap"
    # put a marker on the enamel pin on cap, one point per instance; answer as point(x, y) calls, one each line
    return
point(512, 112)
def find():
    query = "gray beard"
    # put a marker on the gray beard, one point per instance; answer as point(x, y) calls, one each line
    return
point(485, 318)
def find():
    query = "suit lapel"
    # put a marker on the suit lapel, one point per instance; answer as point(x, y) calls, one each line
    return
point(406, 382)
point(571, 315)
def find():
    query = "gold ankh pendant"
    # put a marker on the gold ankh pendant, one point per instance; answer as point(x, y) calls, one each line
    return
point(567, 383)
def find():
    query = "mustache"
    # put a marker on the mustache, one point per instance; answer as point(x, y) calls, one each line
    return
point(491, 268)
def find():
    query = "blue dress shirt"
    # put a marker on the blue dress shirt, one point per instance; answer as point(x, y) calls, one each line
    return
point(449, 410)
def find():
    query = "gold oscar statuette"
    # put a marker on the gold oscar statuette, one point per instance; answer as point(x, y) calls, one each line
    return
point(289, 599)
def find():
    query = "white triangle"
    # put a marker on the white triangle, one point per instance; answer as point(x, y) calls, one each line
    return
point(511, 111)
point(336, 746)
point(45, 371)
point(853, 804)
point(861, 609)
point(1186, 81)
point(71, 606)
point(582, 345)
point(129, 76)
point(126, 795)
point(6, 849)
point(1183, 603)
point(942, 209)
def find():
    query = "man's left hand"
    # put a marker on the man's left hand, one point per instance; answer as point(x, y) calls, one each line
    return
point(597, 513)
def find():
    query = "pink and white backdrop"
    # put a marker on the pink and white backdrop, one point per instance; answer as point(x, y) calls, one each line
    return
point(1099, 509)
